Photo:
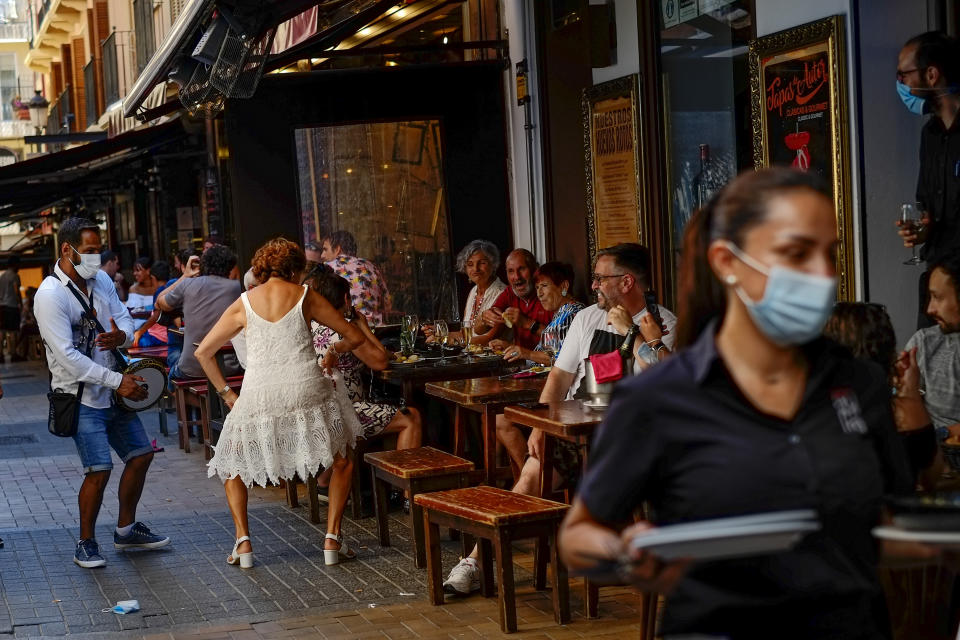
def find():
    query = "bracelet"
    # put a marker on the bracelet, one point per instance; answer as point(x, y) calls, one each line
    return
point(224, 391)
point(654, 342)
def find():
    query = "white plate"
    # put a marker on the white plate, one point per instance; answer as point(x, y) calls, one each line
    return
point(951, 538)
point(596, 406)
point(750, 520)
point(715, 543)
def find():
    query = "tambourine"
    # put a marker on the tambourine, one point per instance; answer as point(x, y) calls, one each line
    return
point(154, 377)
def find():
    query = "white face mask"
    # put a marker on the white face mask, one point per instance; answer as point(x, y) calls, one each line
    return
point(89, 264)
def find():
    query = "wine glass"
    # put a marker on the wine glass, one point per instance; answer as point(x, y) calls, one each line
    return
point(466, 330)
point(442, 332)
point(911, 219)
point(551, 343)
point(413, 325)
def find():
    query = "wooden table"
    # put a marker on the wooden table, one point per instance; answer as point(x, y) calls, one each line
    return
point(566, 420)
point(488, 397)
point(410, 378)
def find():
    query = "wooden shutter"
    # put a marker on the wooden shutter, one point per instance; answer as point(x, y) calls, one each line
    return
point(98, 26)
point(66, 63)
point(79, 95)
point(56, 75)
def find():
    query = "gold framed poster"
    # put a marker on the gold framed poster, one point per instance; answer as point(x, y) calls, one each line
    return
point(612, 139)
point(798, 95)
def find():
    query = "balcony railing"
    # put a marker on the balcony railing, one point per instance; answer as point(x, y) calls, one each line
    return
point(90, 91)
point(17, 31)
point(42, 13)
point(143, 32)
point(111, 74)
point(61, 115)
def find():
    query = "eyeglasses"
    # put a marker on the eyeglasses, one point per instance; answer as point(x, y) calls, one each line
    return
point(598, 278)
point(903, 74)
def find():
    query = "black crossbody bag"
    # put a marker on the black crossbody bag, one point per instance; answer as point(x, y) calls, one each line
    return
point(65, 407)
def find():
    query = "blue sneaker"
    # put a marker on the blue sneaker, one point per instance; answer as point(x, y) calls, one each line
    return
point(88, 555)
point(139, 538)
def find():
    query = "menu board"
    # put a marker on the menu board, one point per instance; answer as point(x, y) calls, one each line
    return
point(799, 130)
point(615, 198)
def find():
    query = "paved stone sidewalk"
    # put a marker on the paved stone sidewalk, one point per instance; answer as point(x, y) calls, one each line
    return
point(187, 590)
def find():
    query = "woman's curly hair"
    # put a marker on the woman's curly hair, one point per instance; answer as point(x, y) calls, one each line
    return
point(278, 258)
point(865, 329)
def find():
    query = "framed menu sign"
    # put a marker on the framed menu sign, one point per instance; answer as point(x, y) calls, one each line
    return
point(611, 143)
point(798, 97)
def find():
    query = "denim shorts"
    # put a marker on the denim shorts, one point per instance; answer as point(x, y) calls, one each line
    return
point(99, 430)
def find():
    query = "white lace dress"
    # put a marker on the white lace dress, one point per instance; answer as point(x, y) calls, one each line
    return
point(290, 418)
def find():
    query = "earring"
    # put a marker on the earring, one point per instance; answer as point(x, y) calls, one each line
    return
point(563, 292)
point(731, 279)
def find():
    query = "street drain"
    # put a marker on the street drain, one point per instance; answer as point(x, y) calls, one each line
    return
point(12, 440)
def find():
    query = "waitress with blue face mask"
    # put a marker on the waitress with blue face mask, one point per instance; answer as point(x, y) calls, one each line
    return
point(757, 413)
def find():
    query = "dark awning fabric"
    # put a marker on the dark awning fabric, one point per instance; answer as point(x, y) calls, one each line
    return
point(184, 32)
point(32, 185)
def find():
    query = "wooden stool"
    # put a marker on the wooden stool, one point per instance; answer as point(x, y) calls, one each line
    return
point(183, 403)
point(414, 471)
point(313, 499)
point(497, 518)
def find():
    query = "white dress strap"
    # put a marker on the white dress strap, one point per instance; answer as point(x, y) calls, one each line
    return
point(246, 303)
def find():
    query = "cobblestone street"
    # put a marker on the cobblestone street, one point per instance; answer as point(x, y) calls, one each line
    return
point(187, 589)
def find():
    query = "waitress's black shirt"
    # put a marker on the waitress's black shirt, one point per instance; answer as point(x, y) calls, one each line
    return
point(684, 438)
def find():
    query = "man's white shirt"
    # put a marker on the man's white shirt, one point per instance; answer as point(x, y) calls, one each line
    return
point(576, 344)
point(59, 317)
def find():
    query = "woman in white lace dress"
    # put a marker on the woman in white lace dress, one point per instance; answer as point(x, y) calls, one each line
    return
point(289, 418)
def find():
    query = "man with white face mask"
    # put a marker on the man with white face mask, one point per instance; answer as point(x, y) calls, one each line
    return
point(928, 81)
point(73, 361)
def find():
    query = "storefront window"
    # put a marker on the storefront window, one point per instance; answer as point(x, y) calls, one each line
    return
point(703, 49)
point(383, 183)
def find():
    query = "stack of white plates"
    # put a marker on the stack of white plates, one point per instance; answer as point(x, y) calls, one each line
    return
point(725, 538)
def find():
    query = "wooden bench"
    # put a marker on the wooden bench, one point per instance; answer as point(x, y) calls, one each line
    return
point(496, 517)
point(414, 471)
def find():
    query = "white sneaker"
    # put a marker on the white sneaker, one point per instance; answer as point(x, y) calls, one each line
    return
point(463, 579)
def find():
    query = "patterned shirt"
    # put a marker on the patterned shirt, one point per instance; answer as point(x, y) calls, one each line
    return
point(560, 323)
point(368, 289)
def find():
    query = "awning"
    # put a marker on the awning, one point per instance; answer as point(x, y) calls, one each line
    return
point(341, 19)
point(28, 187)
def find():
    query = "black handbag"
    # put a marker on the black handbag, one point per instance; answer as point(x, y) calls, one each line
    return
point(65, 407)
point(64, 416)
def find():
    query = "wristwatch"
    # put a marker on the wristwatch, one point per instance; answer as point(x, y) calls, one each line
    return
point(534, 326)
point(224, 391)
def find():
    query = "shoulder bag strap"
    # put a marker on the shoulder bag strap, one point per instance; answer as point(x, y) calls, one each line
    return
point(90, 314)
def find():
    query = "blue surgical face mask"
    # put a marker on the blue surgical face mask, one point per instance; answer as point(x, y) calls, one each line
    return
point(915, 104)
point(795, 305)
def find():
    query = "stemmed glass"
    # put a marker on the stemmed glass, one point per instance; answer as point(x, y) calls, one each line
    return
point(467, 331)
point(911, 219)
point(442, 332)
point(413, 325)
point(551, 343)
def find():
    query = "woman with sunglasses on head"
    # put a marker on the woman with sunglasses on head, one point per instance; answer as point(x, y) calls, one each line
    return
point(756, 414)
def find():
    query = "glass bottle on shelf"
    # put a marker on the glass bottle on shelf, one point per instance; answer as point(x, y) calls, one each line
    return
point(709, 180)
